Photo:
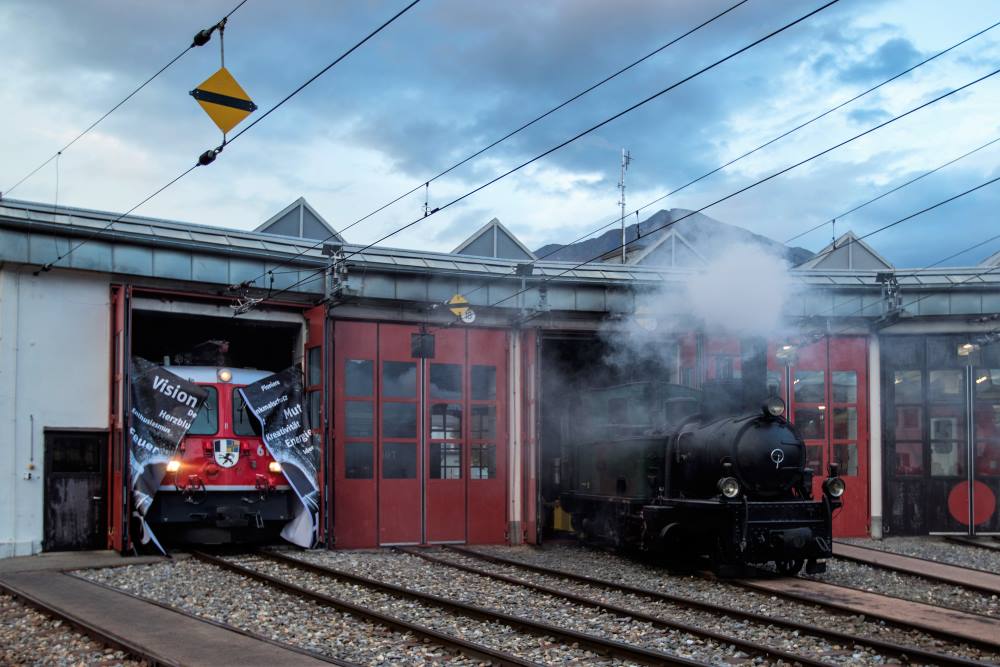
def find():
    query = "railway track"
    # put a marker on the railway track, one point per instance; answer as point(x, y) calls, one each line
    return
point(87, 627)
point(903, 651)
point(978, 580)
point(991, 543)
point(473, 649)
point(613, 649)
point(753, 648)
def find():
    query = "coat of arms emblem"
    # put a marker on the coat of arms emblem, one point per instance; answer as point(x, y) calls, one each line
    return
point(227, 452)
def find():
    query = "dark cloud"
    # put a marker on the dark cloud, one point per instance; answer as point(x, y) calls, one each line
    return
point(868, 116)
point(893, 56)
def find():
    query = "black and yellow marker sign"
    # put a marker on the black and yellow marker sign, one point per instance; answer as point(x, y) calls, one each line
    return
point(225, 102)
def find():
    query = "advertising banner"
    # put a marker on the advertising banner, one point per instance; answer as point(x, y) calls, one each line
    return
point(163, 408)
point(277, 401)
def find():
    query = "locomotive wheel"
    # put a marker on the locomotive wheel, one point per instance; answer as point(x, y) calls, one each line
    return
point(789, 568)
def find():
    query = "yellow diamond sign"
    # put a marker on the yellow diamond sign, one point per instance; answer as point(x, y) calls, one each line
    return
point(225, 102)
point(459, 305)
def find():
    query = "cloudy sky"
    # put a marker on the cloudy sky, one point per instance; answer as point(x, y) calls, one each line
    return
point(451, 76)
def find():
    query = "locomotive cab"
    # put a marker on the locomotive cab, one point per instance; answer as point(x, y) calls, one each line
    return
point(222, 485)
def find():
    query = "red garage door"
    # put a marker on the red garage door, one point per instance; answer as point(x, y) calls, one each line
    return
point(421, 441)
point(828, 403)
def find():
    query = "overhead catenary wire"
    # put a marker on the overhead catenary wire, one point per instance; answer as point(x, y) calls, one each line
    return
point(201, 161)
point(572, 139)
point(722, 199)
point(201, 38)
point(426, 184)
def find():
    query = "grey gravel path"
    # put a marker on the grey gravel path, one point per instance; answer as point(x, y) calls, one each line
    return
point(615, 568)
point(936, 548)
point(210, 592)
point(28, 637)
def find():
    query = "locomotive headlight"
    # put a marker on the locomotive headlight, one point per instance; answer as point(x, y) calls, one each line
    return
point(274, 467)
point(729, 487)
point(225, 375)
point(834, 487)
point(173, 465)
point(774, 406)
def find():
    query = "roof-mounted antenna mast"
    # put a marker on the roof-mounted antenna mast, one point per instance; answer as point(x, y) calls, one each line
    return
point(626, 160)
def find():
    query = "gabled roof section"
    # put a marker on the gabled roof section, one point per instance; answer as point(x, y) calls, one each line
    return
point(671, 249)
point(494, 240)
point(300, 220)
point(992, 260)
point(847, 252)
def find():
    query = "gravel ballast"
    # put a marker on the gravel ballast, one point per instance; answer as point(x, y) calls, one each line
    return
point(28, 637)
point(615, 568)
point(210, 592)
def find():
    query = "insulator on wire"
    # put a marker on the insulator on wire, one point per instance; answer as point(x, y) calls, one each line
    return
point(202, 37)
point(208, 157)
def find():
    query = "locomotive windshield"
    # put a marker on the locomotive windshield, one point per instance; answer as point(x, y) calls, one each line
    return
point(207, 421)
point(244, 423)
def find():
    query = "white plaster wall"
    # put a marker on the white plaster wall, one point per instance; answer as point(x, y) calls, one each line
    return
point(54, 373)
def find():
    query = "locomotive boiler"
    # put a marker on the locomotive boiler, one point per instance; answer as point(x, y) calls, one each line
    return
point(657, 472)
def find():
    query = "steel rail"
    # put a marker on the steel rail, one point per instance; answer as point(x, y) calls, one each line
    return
point(85, 627)
point(881, 645)
point(607, 647)
point(914, 569)
point(219, 624)
point(468, 648)
point(973, 542)
point(658, 621)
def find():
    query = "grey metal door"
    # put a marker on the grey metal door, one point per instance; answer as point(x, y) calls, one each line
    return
point(75, 490)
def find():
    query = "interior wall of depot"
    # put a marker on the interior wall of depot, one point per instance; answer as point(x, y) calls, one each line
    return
point(54, 373)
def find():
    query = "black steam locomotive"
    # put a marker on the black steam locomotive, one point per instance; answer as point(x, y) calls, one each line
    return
point(655, 471)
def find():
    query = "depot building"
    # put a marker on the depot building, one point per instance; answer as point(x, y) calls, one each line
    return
point(442, 426)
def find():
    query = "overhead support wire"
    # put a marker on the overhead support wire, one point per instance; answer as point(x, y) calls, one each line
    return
point(201, 38)
point(521, 128)
point(572, 139)
point(209, 156)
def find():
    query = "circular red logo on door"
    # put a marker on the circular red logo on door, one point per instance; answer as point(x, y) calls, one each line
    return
point(984, 502)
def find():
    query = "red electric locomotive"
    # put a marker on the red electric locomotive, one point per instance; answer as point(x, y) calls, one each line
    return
point(222, 485)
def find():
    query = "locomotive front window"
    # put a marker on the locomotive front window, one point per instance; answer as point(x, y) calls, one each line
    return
point(207, 421)
point(244, 422)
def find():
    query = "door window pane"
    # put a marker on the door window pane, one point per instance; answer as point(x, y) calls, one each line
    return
point(399, 460)
point(908, 387)
point(845, 423)
point(987, 420)
point(446, 421)
point(811, 423)
point(399, 420)
point(484, 422)
point(908, 422)
point(484, 383)
point(399, 379)
point(808, 386)
point(314, 374)
point(358, 460)
point(845, 387)
point(947, 459)
point(446, 460)
point(947, 422)
point(359, 419)
point(846, 456)
point(358, 378)
point(987, 383)
point(945, 385)
point(814, 458)
point(314, 399)
point(446, 381)
point(484, 462)
point(988, 458)
point(909, 458)
point(76, 454)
